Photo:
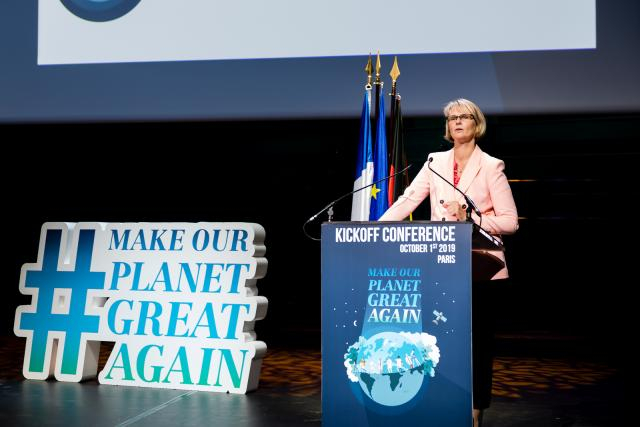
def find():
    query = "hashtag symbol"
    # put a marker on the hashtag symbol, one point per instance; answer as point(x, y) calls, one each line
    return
point(40, 324)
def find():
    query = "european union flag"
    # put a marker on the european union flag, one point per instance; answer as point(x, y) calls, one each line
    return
point(379, 192)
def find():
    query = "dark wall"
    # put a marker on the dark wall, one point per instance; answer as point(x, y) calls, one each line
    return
point(572, 181)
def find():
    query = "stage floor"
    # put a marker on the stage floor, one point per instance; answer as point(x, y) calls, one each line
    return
point(552, 390)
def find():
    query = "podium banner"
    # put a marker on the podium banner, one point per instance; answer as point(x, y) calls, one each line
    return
point(396, 323)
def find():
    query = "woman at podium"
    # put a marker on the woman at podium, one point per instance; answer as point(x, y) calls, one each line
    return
point(465, 183)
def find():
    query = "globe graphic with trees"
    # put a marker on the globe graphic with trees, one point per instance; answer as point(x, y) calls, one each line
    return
point(391, 366)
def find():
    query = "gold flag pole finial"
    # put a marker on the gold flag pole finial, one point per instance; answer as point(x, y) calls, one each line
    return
point(395, 73)
point(395, 70)
point(369, 70)
point(378, 66)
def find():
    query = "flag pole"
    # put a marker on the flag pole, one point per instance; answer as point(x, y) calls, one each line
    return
point(398, 155)
point(369, 70)
point(378, 84)
point(394, 73)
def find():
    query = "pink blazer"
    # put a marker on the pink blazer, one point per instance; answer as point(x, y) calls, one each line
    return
point(483, 180)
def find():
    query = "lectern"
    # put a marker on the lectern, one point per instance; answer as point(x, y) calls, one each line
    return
point(396, 321)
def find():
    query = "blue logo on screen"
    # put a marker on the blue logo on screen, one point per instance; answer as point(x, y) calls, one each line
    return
point(100, 10)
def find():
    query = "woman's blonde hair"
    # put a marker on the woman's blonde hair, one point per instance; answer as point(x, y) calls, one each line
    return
point(466, 105)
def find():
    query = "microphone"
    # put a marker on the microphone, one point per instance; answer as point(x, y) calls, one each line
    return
point(329, 207)
point(470, 204)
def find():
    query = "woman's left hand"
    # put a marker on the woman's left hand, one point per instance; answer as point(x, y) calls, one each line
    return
point(454, 209)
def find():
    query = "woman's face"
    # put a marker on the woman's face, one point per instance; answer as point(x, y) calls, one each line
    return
point(461, 129)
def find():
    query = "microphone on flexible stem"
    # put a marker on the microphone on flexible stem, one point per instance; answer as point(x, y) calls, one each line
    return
point(470, 204)
point(329, 207)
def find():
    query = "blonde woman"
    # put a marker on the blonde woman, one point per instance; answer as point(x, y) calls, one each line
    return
point(482, 178)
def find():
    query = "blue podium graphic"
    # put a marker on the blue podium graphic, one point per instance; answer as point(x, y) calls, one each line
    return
point(396, 323)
